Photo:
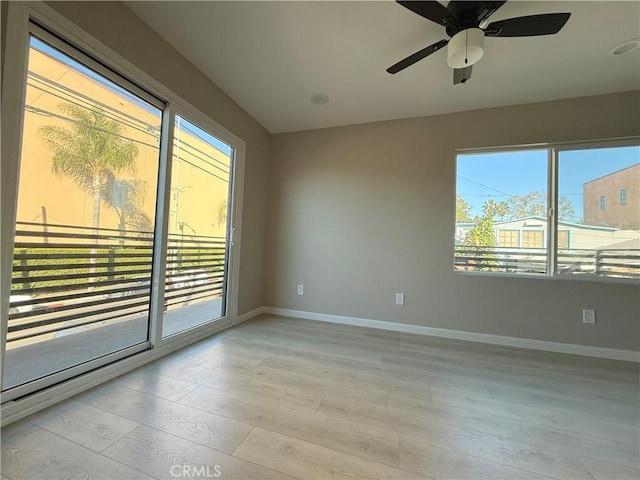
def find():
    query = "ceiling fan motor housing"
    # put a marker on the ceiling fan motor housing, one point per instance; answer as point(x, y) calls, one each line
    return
point(465, 48)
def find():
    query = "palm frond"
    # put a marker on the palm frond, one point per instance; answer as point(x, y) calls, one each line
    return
point(91, 151)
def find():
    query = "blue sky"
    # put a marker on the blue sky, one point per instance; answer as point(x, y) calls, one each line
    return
point(481, 177)
point(203, 135)
point(47, 49)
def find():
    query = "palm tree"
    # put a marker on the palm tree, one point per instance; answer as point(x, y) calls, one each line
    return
point(126, 197)
point(502, 209)
point(92, 152)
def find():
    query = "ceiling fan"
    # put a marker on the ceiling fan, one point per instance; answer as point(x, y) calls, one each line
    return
point(466, 23)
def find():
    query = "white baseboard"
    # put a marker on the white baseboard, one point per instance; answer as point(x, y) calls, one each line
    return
point(249, 315)
point(569, 348)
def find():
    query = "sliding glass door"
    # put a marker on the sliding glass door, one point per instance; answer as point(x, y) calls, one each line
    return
point(84, 219)
point(196, 266)
point(121, 240)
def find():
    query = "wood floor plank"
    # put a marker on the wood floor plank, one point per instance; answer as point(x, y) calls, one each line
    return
point(32, 453)
point(430, 357)
point(585, 405)
point(307, 342)
point(265, 350)
point(516, 430)
point(83, 424)
point(302, 459)
point(367, 376)
point(184, 354)
point(361, 387)
point(213, 360)
point(272, 376)
point(239, 351)
point(343, 436)
point(315, 344)
point(540, 415)
point(166, 456)
point(205, 428)
point(161, 386)
point(555, 383)
point(537, 459)
point(626, 378)
point(443, 373)
point(299, 397)
point(194, 373)
point(399, 377)
point(608, 372)
point(439, 463)
point(609, 471)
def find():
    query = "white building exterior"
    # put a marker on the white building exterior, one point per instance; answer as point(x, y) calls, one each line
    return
point(531, 232)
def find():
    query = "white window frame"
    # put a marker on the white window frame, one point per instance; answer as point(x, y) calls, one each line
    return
point(20, 18)
point(554, 149)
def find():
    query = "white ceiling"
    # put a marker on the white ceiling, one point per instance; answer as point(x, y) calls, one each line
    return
point(271, 57)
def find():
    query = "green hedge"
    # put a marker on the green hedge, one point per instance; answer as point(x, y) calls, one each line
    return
point(102, 265)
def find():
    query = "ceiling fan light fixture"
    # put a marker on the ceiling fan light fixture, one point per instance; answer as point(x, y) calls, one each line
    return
point(465, 48)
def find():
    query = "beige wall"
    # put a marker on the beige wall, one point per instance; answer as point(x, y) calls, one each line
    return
point(361, 212)
point(120, 29)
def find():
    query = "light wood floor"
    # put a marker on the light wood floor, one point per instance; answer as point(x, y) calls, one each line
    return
point(284, 398)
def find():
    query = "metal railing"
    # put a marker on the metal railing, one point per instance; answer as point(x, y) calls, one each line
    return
point(619, 263)
point(68, 277)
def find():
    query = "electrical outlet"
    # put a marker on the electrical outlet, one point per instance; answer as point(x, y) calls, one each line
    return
point(399, 298)
point(300, 289)
point(589, 316)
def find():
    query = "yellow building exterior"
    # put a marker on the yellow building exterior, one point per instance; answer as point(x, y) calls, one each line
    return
point(200, 181)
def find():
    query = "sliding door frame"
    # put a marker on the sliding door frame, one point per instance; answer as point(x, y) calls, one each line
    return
point(232, 251)
point(158, 269)
point(19, 17)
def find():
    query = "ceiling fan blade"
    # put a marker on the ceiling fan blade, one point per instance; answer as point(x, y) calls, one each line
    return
point(489, 8)
point(434, 11)
point(473, 11)
point(419, 55)
point(461, 75)
point(533, 25)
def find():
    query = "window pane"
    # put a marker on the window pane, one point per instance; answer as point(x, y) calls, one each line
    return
point(197, 249)
point(501, 212)
point(623, 196)
point(85, 219)
point(563, 239)
point(509, 238)
point(533, 239)
point(599, 205)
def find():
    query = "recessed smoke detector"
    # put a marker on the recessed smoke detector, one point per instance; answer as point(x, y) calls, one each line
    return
point(625, 47)
point(319, 99)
